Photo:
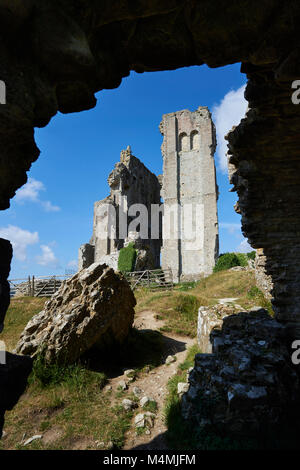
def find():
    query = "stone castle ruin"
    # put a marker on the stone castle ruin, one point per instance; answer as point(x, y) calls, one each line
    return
point(130, 183)
point(189, 187)
point(76, 49)
point(186, 225)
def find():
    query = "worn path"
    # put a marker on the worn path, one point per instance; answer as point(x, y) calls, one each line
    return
point(154, 384)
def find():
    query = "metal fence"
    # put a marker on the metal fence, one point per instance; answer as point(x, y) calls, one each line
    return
point(156, 279)
point(36, 286)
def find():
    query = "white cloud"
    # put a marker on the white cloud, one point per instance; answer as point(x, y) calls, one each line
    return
point(226, 115)
point(231, 227)
point(49, 207)
point(31, 192)
point(47, 258)
point(244, 247)
point(73, 264)
point(20, 239)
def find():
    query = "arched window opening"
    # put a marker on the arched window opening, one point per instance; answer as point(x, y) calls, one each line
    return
point(183, 143)
point(195, 140)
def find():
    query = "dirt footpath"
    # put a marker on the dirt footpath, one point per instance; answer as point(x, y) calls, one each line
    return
point(154, 384)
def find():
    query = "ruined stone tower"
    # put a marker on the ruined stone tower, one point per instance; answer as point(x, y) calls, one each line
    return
point(189, 190)
point(130, 183)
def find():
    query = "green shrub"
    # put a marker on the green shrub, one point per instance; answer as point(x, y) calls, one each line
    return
point(243, 259)
point(227, 261)
point(127, 258)
point(251, 255)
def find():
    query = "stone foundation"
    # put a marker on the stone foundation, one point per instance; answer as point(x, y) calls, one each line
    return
point(248, 386)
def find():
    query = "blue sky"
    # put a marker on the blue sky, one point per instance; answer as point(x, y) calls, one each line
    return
point(52, 215)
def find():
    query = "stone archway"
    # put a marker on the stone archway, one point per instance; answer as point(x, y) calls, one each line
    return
point(56, 55)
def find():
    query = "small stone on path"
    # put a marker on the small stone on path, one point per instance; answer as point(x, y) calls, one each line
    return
point(170, 359)
point(31, 439)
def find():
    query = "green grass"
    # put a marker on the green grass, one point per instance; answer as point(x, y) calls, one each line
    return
point(20, 311)
point(69, 399)
point(256, 295)
point(150, 406)
point(178, 309)
point(184, 319)
point(185, 286)
point(74, 375)
point(76, 406)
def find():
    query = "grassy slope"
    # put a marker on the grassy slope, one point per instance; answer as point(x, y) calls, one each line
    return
point(72, 408)
point(21, 310)
point(69, 405)
point(179, 308)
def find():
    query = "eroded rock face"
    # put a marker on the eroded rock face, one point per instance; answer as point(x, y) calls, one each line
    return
point(248, 385)
point(95, 308)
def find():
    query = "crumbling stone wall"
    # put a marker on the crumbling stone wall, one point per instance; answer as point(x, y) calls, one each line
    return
point(130, 183)
point(263, 280)
point(248, 386)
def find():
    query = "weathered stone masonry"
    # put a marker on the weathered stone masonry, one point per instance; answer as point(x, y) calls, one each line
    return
point(189, 213)
point(130, 183)
point(189, 183)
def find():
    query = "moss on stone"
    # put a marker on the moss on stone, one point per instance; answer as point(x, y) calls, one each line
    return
point(127, 257)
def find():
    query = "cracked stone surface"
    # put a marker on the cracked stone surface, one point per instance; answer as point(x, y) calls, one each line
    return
point(248, 385)
point(95, 308)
